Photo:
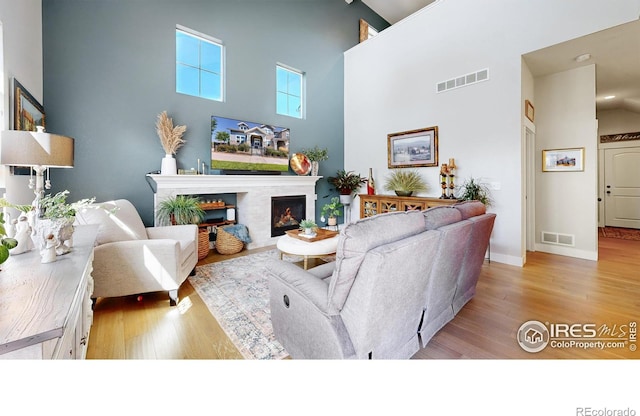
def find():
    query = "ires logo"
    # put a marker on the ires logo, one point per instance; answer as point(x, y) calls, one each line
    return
point(534, 336)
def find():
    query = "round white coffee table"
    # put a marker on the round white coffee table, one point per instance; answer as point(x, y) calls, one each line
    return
point(306, 249)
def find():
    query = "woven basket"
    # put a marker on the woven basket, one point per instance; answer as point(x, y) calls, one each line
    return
point(203, 243)
point(227, 243)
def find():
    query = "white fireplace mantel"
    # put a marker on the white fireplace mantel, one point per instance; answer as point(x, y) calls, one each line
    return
point(253, 196)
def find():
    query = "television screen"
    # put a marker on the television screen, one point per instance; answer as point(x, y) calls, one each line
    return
point(246, 146)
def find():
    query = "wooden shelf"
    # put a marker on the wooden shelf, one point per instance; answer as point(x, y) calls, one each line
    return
point(210, 206)
point(215, 224)
point(378, 204)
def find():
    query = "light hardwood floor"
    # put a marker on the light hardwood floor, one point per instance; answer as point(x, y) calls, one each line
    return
point(549, 288)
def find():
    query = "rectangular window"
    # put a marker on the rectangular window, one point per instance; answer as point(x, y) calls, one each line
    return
point(199, 65)
point(289, 92)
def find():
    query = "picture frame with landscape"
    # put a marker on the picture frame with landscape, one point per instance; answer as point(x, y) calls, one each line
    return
point(563, 160)
point(413, 148)
point(27, 111)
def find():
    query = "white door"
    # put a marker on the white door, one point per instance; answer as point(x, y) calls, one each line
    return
point(622, 187)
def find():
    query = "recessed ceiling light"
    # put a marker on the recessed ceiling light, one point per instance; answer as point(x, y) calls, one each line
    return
point(609, 97)
point(583, 57)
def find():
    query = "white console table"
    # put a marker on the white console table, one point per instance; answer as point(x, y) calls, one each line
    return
point(253, 193)
point(45, 309)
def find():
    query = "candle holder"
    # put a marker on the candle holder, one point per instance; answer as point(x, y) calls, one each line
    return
point(443, 181)
point(450, 177)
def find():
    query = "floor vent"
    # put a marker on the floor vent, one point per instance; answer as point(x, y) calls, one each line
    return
point(558, 239)
point(463, 80)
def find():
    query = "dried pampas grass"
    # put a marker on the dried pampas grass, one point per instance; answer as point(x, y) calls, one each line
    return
point(170, 137)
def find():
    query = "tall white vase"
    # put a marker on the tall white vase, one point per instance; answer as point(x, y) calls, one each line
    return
point(169, 166)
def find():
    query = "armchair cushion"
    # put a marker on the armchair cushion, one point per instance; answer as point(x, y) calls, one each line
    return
point(119, 221)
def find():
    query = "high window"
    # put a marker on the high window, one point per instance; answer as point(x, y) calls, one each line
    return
point(199, 65)
point(289, 91)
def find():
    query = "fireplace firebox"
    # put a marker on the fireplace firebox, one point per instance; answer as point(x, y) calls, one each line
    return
point(286, 213)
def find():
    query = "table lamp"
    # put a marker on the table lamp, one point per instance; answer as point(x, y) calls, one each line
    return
point(39, 151)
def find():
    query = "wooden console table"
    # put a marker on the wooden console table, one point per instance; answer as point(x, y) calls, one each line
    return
point(378, 204)
point(46, 309)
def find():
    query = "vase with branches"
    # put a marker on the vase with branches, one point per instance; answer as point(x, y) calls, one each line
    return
point(171, 140)
point(474, 190)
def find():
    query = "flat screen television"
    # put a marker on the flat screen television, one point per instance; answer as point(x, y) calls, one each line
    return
point(248, 147)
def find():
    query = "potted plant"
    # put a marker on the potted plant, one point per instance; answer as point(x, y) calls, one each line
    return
point(315, 155)
point(346, 182)
point(56, 219)
point(308, 226)
point(180, 210)
point(6, 242)
point(405, 182)
point(331, 211)
point(474, 190)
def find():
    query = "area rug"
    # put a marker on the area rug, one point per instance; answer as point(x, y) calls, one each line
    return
point(236, 291)
point(618, 232)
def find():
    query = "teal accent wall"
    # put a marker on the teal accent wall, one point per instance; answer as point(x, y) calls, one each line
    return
point(109, 70)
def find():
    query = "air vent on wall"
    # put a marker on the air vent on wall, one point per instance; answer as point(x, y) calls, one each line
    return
point(463, 80)
point(557, 238)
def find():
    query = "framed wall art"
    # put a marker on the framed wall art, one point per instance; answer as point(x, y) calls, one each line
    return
point(563, 160)
point(27, 111)
point(529, 111)
point(413, 148)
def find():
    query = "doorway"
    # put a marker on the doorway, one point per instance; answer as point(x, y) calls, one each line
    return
point(622, 187)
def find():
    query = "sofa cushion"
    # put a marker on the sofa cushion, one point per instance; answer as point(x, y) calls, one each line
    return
point(437, 217)
point(470, 209)
point(358, 238)
point(118, 221)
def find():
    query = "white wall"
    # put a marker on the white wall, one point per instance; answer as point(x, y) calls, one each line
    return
point(22, 53)
point(390, 86)
point(618, 121)
point(566, 202)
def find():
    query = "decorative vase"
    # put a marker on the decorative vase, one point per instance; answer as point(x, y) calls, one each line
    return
point(59, 229)
point(332, 222)
point(314, 168)
point(345, 199)
point(404, 193)
point(169, 166)
point(308, 231)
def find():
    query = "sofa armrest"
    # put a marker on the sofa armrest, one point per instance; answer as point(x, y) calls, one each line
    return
point(323, 271)
point(175, 232)
point(302, 282)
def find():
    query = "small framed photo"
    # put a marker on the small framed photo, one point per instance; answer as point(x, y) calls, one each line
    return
point(27, 112)
point(563, 160)
point(413, 148)
point(529, 111)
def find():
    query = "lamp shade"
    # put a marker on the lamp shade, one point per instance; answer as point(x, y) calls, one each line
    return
point(30, 148)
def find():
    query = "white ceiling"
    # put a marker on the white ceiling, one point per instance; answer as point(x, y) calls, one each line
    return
point(615, 52)
point(395, 10)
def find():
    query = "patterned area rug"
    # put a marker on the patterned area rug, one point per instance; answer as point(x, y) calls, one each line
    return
point(236, 291)
point(618, 232)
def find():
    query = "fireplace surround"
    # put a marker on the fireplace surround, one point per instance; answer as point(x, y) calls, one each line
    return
point(253, 195)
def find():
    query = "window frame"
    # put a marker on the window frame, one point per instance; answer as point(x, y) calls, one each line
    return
point(201, 37)
point(302, 97)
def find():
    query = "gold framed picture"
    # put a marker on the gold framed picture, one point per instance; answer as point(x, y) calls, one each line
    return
point(413, 148)
point(529, 111)
point(563, 160)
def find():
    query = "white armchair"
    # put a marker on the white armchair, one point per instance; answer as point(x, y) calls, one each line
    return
point(130, 259)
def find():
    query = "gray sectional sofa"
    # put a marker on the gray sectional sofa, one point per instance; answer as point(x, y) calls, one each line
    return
point(397, 280)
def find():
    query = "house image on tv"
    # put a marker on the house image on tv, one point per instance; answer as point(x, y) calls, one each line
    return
point(259, 138)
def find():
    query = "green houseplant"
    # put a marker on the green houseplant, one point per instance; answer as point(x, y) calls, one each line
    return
point(346, 182)
point(331, 210)
point(180, 210)
point(405, 182)
point(6, 242)
point(308, 226)
point(474, 190)
point(315, 156)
